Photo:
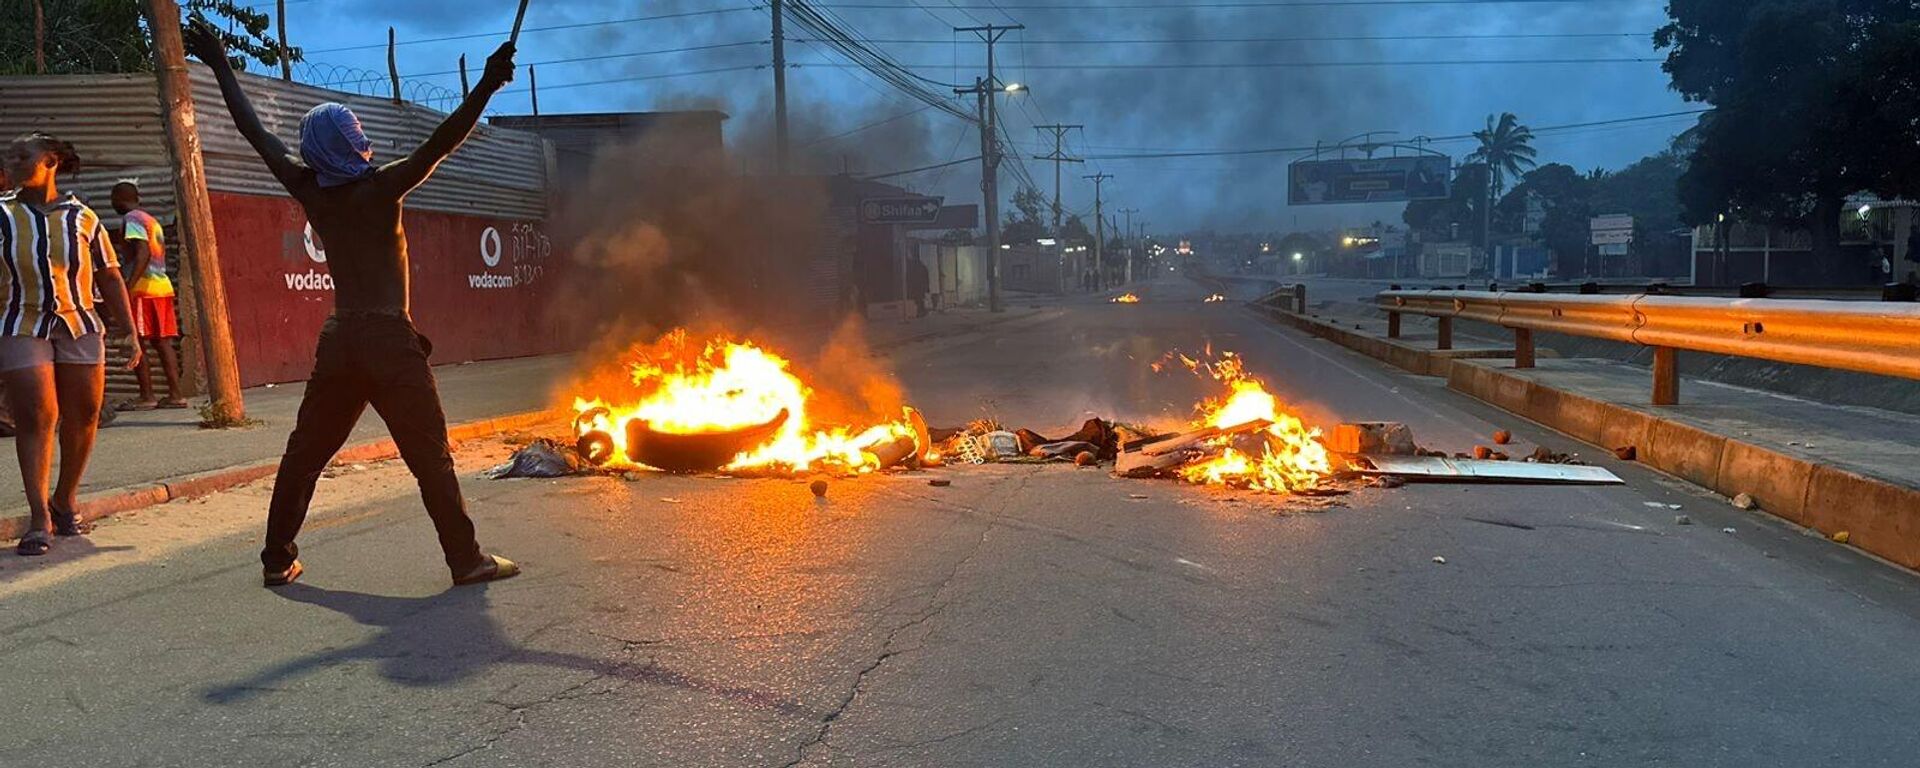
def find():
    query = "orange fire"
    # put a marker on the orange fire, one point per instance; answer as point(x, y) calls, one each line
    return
point(1291, 457)
point(1126, 298)
point(685, 387)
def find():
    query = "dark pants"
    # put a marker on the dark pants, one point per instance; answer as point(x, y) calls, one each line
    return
point(378, 360)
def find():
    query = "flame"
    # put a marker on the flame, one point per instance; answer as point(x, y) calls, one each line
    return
point(1291, 456)
point(723, 385)
point(1214, 298)
point(1126, 298)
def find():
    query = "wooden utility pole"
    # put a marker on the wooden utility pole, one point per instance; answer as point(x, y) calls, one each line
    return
point(198, 250)
point(280, 21)
point(393, 68)
point(39, 38)
point(1099, 231)
point(781, 149)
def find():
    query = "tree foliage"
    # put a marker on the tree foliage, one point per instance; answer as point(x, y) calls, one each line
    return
point(105, 36)
point(1813, 100)
point(1024, 223)
point(1506, 148)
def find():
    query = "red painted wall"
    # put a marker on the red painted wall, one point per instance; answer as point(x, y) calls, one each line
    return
point(480, 286)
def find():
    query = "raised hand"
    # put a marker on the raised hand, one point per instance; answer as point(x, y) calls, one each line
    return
point(204, 43)
point(499, 70)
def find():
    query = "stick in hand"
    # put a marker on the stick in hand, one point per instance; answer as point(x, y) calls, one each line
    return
point(518, 17)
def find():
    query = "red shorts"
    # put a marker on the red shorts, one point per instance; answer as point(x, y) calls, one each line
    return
point(153, 317)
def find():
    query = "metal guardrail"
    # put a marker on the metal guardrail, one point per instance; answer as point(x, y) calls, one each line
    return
point(1876, 338)
point(1887, 292)
point(1293, 294)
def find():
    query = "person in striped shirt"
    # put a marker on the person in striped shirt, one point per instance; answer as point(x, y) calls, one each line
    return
point(56, 256)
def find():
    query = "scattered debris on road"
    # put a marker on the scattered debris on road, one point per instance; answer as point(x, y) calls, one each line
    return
point(940, 483)
point(819, 488)
point(1842, 537)
point(1502, 437)
point(540, 458)
point(1440, 468)
point(1214, 299)
point(1744, 501)
point(1682, 520)
point(1729, 530)
point(1438, 560)
point(1625, 453)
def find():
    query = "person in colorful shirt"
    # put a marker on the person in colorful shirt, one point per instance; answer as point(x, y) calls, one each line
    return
point(56, 256)
point(143, 257)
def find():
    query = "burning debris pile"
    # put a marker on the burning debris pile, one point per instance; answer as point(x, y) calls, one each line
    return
point(1125, 298)
point(1243, 438)
point(723, 406)
point(730, 406)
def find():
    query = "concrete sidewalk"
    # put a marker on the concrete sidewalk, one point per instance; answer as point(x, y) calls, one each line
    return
point(151, 457)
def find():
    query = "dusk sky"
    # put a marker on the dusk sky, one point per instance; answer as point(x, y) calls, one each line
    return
point(1176, 103)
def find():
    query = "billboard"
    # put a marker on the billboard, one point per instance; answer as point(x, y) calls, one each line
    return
point(1382, 180)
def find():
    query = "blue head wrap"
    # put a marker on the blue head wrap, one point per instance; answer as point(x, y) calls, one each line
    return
point(333, 145)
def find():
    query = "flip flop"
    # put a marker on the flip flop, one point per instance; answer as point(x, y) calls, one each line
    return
point(34, 544)
point(135, 405)
point(173, 404)
point(283, 578)
point(494, 569)
point(66, 523)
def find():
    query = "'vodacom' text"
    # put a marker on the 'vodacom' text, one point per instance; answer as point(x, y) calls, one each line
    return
point(309, 281)
point(489, 281)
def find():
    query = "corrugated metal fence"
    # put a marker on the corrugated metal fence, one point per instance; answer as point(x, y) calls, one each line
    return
point(114, 121)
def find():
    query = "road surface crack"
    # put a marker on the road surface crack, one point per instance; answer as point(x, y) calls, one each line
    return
point(936, 605)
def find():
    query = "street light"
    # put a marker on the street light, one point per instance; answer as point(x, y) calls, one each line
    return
point(1014, 88)
point(1299, 256)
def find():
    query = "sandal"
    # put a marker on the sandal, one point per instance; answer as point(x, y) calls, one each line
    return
point(67, 523)
point(172, 404)
point(283, 578)
point(34, 544)
point(136, 405)
point(494, 569)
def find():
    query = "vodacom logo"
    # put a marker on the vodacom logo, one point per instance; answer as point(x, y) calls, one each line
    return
point(316, 249)
point(490, 247)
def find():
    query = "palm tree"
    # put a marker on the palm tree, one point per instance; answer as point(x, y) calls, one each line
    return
point(1506, 147)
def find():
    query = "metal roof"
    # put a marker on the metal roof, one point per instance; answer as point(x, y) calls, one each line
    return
point(114, 122)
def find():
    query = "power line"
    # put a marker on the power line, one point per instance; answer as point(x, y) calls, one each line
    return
point(1230, 4)
point(505, 32)
point(604, 57)
point(639, 78)
point(1301, 39)
point(868, 126)
point(1312, 148)
point(921, 168)
point(1322, 64)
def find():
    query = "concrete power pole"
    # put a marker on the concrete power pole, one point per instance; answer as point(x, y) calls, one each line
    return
point(781, 149)
point(1099, 231)
point(985, 88)
point(1058, 156)
point(201, 256)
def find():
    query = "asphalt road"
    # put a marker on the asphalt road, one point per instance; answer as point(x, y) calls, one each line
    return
point(1024, 616)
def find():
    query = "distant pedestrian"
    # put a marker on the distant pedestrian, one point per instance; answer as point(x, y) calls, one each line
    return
point(369, 350)
point(143, 256)
point(919, 283)
point(52, 356)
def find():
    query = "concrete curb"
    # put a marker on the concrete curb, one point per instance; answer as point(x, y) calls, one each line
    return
point(1881, 517)
point(112, 501)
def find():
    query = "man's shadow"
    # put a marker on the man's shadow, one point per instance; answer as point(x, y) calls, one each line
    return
point(448, 638)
